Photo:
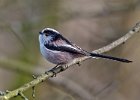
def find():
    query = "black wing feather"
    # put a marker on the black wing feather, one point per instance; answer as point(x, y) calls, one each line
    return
point(62, 49)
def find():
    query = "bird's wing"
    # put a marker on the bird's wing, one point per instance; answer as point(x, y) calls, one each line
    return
point(64, 48)
point(60, 40)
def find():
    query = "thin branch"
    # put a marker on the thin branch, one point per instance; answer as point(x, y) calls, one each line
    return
point(59, 69)
point(66, 84)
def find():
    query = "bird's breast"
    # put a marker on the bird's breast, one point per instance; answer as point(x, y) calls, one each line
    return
point(56, 57)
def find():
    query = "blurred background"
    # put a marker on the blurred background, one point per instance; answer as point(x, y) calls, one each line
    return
point(91, 24)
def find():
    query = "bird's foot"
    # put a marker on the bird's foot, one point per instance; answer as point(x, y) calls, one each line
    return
point(53, 71)
point(78, 63)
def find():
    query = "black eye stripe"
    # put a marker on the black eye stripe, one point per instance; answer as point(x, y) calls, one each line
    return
point(45, 31)
point(49, 32)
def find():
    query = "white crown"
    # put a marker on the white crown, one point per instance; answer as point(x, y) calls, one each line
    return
point(51, 29)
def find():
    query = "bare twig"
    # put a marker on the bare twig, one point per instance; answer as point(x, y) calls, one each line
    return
point(63, 82)
point(59, 69)
point(23, 96)
point(33, 94)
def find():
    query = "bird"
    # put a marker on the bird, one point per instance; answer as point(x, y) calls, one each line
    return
point(59, 50)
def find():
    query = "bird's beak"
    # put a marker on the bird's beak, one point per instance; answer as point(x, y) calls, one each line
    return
point(40, 33)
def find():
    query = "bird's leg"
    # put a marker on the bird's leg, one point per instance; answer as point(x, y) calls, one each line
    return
point(78, 63)
point(55, 66)
point(52, 70)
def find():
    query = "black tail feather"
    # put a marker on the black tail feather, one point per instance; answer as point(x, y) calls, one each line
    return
point(110, 57)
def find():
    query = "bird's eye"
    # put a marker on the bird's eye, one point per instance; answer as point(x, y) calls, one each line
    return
point(46, 34)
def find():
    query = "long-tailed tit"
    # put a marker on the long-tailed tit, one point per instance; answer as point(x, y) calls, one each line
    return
point(58, 50)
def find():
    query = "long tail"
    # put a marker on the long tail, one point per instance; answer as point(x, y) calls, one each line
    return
point(110, 57)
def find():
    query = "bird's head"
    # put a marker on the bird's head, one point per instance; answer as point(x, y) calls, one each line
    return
point(47, 34)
